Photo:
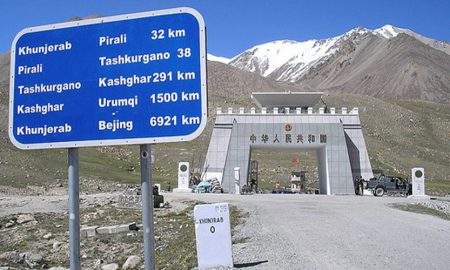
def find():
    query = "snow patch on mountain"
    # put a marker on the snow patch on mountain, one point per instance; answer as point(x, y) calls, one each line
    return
point(214, 58)
point(271, 56)
point(388, 31)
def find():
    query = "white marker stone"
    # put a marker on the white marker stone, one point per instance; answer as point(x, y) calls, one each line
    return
point(418, 184)
point(183, 177)
point(418, 181)
point(213, 236)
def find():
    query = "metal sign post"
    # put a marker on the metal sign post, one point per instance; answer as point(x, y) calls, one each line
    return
point(147, 206)
point(74, 209)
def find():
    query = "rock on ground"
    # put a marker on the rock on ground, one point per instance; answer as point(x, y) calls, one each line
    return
point(10, 256)
point(56, 245)
point(441, 206)
point(48, 236)
point(9, 224)
point(24, 218)
point(111, 266)
point(131, 262)
point(31, 259)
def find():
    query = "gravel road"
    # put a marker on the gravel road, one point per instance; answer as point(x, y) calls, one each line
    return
point(334, 232)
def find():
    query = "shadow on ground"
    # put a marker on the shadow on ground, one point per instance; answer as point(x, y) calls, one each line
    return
point(243, 265)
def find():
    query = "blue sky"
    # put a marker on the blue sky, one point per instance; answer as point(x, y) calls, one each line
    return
point(236, 25)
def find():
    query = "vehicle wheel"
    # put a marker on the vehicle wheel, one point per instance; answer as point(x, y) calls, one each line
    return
point(379, 191)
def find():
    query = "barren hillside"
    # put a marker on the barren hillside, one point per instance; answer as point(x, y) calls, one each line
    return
point(400, 68)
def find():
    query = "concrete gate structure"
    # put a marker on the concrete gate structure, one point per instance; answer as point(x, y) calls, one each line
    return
point(287, 121)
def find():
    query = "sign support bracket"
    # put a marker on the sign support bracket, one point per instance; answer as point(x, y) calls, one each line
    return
point(74, 208)
point(147, 206)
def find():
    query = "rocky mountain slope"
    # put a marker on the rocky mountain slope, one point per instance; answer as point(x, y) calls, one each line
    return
point(388, 62)
point(4, 68)
point(389, 31)
point(396, 68)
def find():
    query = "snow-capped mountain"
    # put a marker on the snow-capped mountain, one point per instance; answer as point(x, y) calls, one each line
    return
point(287, 60)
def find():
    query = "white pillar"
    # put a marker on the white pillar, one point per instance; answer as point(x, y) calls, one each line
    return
point(183, 177)
point(418, 184)
point(237, 181)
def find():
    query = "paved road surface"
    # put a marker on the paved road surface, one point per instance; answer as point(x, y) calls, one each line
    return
point(334, 232)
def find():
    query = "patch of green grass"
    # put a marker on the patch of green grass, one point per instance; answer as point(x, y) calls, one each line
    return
point(420, 209)
point(241, 240)
point(23, 244)
point(433, 118)
point(179, 250)
point(48, 222)
point(401, 135)
point(437, 187)
point(237, 216)
point(276, 166)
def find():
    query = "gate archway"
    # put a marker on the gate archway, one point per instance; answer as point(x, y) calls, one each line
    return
point(337, 138)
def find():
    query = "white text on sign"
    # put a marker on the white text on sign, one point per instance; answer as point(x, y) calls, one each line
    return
point(169, 33)
point(107, 40)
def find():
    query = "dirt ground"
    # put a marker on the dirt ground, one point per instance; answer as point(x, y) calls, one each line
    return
point(45, 233)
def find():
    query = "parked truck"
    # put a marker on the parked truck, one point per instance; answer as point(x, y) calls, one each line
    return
point(385, 184)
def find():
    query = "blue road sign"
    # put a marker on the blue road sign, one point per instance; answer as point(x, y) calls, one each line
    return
point(128, 79)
